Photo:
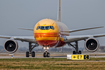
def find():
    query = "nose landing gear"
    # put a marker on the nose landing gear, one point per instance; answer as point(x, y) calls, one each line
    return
point(46, 53)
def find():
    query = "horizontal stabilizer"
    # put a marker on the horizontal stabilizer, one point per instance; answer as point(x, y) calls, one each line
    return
point(76, 30)
point(26, 29)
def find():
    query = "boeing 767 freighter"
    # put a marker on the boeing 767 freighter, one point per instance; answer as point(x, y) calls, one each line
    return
point(49, 33)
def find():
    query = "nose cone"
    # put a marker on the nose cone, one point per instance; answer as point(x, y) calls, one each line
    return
point(46, 36)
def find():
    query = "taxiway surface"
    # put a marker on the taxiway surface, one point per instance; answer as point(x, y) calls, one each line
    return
point(52, 55)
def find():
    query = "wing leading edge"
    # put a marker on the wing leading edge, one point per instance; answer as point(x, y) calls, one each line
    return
point(82, 37)
point(20, 38)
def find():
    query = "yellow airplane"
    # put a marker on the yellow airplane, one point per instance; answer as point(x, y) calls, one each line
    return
point(50, 33)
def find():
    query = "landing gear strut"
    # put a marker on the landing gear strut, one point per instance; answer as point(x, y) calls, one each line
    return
point(76, 48)
point(30, 52)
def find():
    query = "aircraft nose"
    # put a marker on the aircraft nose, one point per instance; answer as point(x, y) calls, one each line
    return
point(45, 36)
point(46, 39)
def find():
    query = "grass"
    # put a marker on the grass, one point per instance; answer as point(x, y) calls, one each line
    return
point(51, 64)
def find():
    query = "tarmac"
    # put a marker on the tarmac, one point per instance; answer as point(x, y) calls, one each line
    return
point(52, 55)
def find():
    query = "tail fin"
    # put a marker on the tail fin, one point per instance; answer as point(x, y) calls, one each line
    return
point(59, 15)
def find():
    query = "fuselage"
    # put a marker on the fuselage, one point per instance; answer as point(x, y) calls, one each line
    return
point(49, 33)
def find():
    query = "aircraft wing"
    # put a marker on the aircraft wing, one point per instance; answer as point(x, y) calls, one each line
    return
point(76, 30)
point(20, 38)
point(81, 37)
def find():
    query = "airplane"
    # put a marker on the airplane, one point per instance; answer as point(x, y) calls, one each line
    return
point(50, 33)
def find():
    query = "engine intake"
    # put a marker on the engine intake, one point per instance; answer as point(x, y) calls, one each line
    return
point(91, 45)
point(11, 46)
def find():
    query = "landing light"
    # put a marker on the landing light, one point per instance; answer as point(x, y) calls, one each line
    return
point(46, 48)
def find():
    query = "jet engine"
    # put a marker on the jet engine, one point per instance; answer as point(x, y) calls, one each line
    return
point(11, 46)
point(91, 45)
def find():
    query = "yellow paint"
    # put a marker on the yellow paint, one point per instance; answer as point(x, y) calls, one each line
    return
point(46, 38)
point(77, 57)
point(62, 39)
point(47, 22)
point(80, 57)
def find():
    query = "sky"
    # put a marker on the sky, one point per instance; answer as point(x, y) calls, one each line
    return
point(75, 14)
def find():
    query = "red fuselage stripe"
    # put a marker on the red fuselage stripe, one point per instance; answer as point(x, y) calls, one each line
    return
point(46, 34)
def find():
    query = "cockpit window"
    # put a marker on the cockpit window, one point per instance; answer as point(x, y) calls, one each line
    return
point(42, 27)
point(45, 27)
point(38, 28)
point(52, 27)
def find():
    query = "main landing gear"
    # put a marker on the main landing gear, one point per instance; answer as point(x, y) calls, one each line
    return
point(30, 52)
point(46, 53)
point(76, 48)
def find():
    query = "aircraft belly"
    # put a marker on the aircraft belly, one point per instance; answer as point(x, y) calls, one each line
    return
point(49, 43)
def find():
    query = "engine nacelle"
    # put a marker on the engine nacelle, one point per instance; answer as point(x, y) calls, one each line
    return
point(91, 45)
point(11, 46)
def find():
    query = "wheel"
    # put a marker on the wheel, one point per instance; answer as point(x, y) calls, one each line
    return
point(33, 54)
point(27, 54)
point(44, 54)
point(79, 52)
point(74, 52)
point(48, 54)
